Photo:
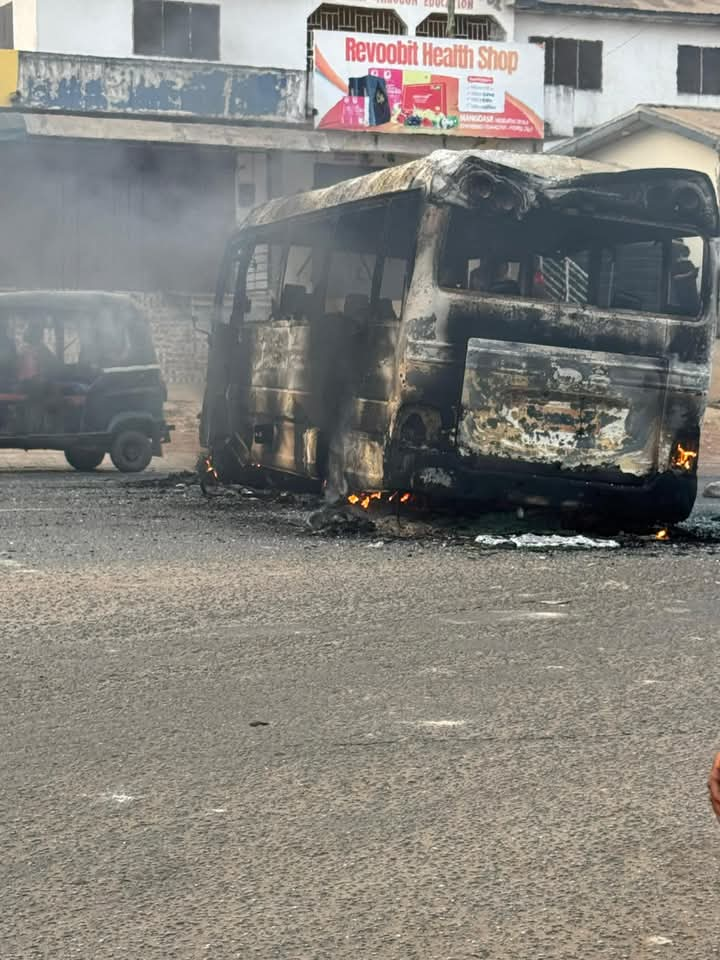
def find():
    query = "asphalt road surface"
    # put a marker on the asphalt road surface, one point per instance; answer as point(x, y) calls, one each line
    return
point(224, 736)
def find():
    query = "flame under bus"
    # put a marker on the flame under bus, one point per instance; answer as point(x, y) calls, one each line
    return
point(505, 329)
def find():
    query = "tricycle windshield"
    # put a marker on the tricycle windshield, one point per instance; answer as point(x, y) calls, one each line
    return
point(92, 338)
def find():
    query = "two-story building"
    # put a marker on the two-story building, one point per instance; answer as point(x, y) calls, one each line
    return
point(604, 57)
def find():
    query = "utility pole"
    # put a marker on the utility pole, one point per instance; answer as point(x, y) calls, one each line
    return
point(451, 18)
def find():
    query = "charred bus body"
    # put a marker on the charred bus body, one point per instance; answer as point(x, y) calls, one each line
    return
point(519, 330)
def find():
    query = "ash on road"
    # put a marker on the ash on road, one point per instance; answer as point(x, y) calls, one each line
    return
point(225, 737)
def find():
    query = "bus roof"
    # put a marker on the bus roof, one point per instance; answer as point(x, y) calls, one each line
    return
point(429, 174)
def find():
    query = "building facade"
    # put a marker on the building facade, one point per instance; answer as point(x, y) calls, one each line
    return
point(138, 132)
point(605, 57)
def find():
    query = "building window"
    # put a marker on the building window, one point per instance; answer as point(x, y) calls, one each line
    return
point(333, 16)
point(698, 70)
point(572, 63)
point(6, 26)
point(166, 28)
point(466, 28)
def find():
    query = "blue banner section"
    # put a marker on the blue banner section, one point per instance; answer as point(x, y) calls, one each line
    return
point(135, 86)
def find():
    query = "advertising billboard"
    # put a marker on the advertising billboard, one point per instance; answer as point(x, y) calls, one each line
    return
point(392, 84)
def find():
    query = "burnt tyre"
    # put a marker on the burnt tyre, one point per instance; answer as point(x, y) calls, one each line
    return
point(80, 458)
point(131, 451)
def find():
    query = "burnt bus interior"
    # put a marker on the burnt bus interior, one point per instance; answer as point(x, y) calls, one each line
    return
point(411, 330)
point(581, 260)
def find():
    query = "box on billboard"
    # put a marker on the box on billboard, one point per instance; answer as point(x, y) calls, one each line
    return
point(409, 84)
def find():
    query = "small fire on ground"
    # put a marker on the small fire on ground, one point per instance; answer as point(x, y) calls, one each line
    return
point(365, 500)
point(662, 535)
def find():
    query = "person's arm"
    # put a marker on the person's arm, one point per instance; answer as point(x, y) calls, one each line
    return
point(714, 786)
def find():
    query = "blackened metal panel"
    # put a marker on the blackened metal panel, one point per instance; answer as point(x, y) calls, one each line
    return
point(553, 405)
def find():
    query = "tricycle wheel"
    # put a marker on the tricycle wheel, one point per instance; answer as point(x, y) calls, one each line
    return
point(84, 459)
point(131, 451)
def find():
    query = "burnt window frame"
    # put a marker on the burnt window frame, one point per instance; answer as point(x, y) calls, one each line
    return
point(158, 46)
point(390, 203)
point(595, 250)
point(587, 71)
point(287, 233)
point(691, 77)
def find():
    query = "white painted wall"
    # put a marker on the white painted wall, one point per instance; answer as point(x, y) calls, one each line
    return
point(260, 33)
point(639, 65)
point(25, 24)
point(75, 26)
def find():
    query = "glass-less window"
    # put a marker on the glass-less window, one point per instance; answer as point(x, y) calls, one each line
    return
point(261, 281)
point(169, 28)
point(570, 261)
point(371, 261)
point(353, 262)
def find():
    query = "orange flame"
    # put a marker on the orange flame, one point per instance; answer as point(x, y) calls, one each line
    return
point(685, 459)
point(365, 499)
point(662, 535)
point(210, 468)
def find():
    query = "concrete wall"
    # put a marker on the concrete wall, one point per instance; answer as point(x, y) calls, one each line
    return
point(25, 24)
point(137, 86)
point(639, 66)
point(270, 33)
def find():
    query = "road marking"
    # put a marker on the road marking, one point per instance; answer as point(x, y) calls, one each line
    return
point(16, 567)
point(118, 797)
point(439, 723)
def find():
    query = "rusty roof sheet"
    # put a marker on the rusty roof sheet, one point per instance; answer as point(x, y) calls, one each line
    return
point(701, 119)
point(431, 174)
point(669, 7)
point(700, 124)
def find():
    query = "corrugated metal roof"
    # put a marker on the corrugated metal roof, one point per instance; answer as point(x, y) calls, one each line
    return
point(670, 7)
point(432, 174)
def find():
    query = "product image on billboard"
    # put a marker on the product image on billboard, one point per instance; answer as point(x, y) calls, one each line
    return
point(388, 84)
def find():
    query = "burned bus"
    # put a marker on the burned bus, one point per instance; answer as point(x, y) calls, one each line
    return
point(482, 326)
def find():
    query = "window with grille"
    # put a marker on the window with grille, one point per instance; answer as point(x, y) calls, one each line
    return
point(466, 28)
point(572, 63)
point(698, 70)
point(333, 16)
point(167, 28)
